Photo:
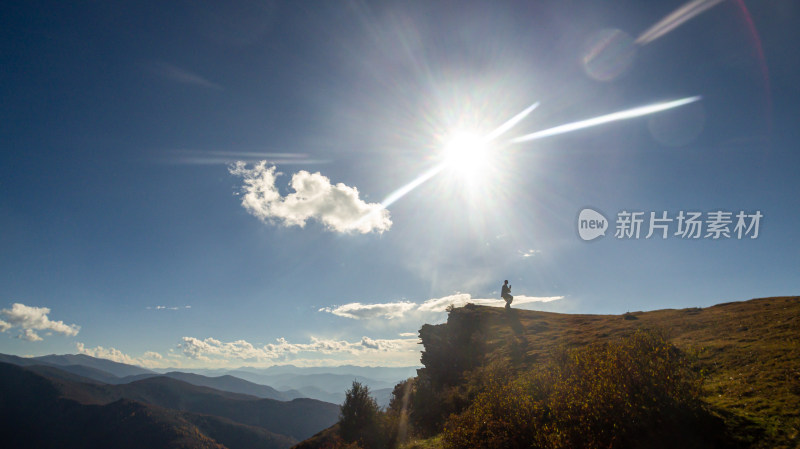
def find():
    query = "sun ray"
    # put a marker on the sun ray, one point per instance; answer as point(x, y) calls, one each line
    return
point(561, 129)
point(430, 173)
point(614, 116)
point(419, 180)
point(510, 123)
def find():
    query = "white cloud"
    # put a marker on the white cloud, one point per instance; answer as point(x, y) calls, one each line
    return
point(211, 352)
point(529, 253)
point(396, 310)
point(357, 311)
point(202, 349)
point(30, 335)
point(106, 353)
point(183, 76)
point(29, 320)
point(370, 343)
point(211, 349)
point(441, 304)
point(459, 300)
point(338, 207)
point(150, 359)
point(200, 157)
point(518, 299)
point(167, 307)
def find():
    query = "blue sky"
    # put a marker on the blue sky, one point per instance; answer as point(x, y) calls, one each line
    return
point(138, 221)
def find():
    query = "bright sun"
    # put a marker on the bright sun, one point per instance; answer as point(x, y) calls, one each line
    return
point(466, 153)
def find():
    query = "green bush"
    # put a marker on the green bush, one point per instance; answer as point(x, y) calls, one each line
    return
point(360, 421)
point(398, 426)
point(638, 392)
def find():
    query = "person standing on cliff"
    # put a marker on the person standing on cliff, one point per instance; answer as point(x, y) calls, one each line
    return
point(505, 293)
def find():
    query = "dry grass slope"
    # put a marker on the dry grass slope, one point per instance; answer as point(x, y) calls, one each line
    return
point(749, 351)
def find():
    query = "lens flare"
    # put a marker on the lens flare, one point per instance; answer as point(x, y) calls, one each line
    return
point(603, 119)
point(677, 18)
point(430, 173)
point(418, 181)
point(467, 152)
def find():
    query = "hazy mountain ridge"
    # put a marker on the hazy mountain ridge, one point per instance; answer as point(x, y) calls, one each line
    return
point(373, 372)
point(280, 382)
point(323, 386)
point(224, 383)
point(296, 419)
point(35, 414)
point(109, 366)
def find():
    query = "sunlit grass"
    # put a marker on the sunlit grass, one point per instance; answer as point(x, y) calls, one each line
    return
point(427, 443)
point(748, 351)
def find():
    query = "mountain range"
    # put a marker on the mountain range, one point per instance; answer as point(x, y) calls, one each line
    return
point(282, 382)
point(43, 406)
point(77, 400)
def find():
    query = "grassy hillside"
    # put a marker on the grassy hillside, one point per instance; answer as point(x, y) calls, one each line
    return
point(750, 351)
point(747, 355)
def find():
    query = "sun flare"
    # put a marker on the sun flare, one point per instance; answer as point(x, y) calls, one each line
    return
point(466, 153)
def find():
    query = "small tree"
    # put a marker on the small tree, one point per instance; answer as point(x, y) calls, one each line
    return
point(358, 416)
point(398, 427)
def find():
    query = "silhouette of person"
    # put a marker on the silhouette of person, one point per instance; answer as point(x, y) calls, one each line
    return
point(505, 293)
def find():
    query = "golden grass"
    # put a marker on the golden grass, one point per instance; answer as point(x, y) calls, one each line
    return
point(749, 352)
point(429, 443)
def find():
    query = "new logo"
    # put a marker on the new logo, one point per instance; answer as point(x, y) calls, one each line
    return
point(591, 224)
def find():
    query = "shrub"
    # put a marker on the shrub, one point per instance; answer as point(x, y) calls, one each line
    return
point(638, 392)
point(359, 417)
point(397, 415)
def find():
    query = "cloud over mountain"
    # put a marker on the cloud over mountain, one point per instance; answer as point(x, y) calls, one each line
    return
point(357, 311)
point(394, 310)
point(150, 359)
point(338, 207)
point(210, 349)
point(31, 320)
